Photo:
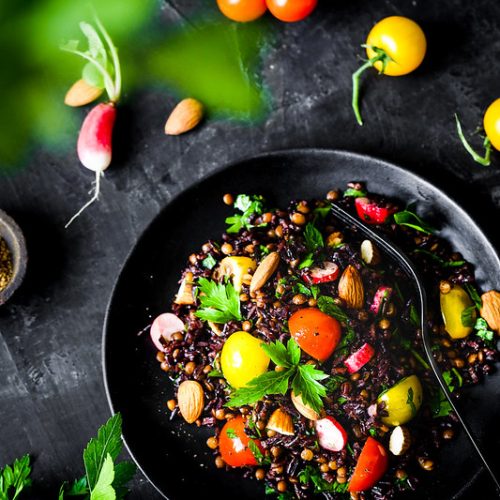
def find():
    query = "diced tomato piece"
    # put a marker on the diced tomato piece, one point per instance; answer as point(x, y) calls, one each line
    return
point(382, 295)
point(372, 213)
point(371, 466)
point(331, 435)
point(234, 444)
point(316, 333)
point(329, 272)
point(359, 358)
point(165, 325)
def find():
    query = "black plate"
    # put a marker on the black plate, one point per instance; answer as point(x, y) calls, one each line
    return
point(174, 455)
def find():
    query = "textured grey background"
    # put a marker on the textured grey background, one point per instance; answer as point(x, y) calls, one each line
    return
point(51, 391)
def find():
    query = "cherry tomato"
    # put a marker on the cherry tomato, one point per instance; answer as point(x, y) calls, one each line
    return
point(233, 444)
point(371, 466)
point(371, 212)
point(402, 40)
point(291, 10)
point(316, 333)
point(242, 10)
point(491, 124)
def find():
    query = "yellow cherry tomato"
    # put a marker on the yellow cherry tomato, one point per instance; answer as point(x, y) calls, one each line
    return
point(242, 359)
point(402, 40)
point(453, 305)
point(491, 123)
point(236, 268)
point(402, 401)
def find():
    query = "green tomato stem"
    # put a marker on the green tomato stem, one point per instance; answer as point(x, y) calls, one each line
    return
point(116, 61)
point(381, 56)
point(482, 160)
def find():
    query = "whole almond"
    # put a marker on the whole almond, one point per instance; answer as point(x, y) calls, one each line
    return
point(190, 399)
point(303, 409)
point(82, 93)
point(351, 289)
point(185, 295)
point(280, 421)
point(491, 309)
point(265, 270)
point(185, 116)
point(370, 253)
point(400, 440)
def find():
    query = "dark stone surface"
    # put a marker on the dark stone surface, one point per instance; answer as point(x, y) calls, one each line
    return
point(51, 391)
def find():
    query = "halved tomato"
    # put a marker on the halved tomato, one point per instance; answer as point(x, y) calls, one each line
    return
point(371, 466)
point(234, 444)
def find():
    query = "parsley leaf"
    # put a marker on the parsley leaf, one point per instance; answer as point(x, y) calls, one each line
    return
point(231, 434)
point(103, 489)
point(483, 332)
point(313, 238)
point(249, 205)
point(411, 219)
point(304, 378)
point(468, 316)
point(409, 401)
point(14, 478)
point(328, 306)
point(258, 455)
point(439, 260)
point(355, 193)
point(209, 262)
point(440, 406)
point(219, 303)
point(313, 475)
point(474, 295)
point(307, 262)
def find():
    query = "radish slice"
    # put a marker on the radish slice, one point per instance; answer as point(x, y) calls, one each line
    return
point(359, 358)
point(331, 434)
point(165, 325)
point(329, 272)
point(382, 295)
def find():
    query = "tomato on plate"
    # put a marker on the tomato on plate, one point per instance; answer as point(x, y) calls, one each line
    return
point(242, 10)
point(371, 466)
point(291, 10)
point(316, 333)
point(402, 40)
point(491, 123)
point(234, 444)
point(371, 212)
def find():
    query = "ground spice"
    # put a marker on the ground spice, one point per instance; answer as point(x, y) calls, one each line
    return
point(6, 264)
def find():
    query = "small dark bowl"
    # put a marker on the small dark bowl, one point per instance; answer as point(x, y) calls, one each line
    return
point(14, 238)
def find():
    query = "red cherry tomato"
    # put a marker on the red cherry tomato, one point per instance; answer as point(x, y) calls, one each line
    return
point(233, 444)
point(242, 10)
point(371, 466)
point(372, 213)
point(316, 333)
point(291, 10)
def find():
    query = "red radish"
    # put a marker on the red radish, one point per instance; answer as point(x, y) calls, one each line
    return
point(382, 295)
point(331, 434)
point(94, 140)
point(329, 272)
point(370, 212)
point(359, 358)
point(165, 325)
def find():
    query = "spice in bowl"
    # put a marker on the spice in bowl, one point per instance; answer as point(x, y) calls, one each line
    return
point(6, 265)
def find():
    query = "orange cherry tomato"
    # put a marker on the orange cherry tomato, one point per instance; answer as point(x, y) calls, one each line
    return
point(316, 333)
point(291, 10)
point(233, 444)
point(242, 11)
point(371, 466)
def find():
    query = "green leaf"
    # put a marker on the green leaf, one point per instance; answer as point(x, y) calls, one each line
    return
point(474, 295)
point(414, 316)
point(307, 262)
point(313, 238)
point(96, 47)
point(78, 488)
point(483, 331)
point(107, 442)
point(215, 374)
point(258, 455)
point(301, 288)
point(468, 316)
point(219, 303)
point(93, 76)
point(312, 474)
point(322, 211)
point(306, 384)
point(268, 383)
point(231, 434)
point(293, 351)
point(328, 306)
point(355, 193)
point(14, 478)
point(249, 205)
point(209, 262)
point(277, 351)
point(411, 219)
point(124, 472)
point(409, 401)
point(439, 260)
point(103, 489)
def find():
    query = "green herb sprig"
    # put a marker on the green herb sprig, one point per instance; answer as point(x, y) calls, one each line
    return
point(248, 205)
point(439, 260)
point(15, 478)
point(304, 379)
point(220, 303)
point(411, 219)
point(484, 333)
point(313, 240)
point(313, 475)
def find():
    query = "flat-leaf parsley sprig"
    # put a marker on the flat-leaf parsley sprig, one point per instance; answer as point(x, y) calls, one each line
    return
point(303, 378)
point(248, 205)
point(220, 302)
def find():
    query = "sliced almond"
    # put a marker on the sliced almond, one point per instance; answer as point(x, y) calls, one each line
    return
point(400, 440)
point(81, 93)
point(215, 327)
point(185, 295)
point(265, 270)
point(281, 422)
point(370, 253)
point(491, 309)
point(190, 399)
point(184, 117)
point(303, 409)
point(351, 289)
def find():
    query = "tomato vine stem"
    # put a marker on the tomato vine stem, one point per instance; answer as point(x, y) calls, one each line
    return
point(381, 56)
point(482, 160)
